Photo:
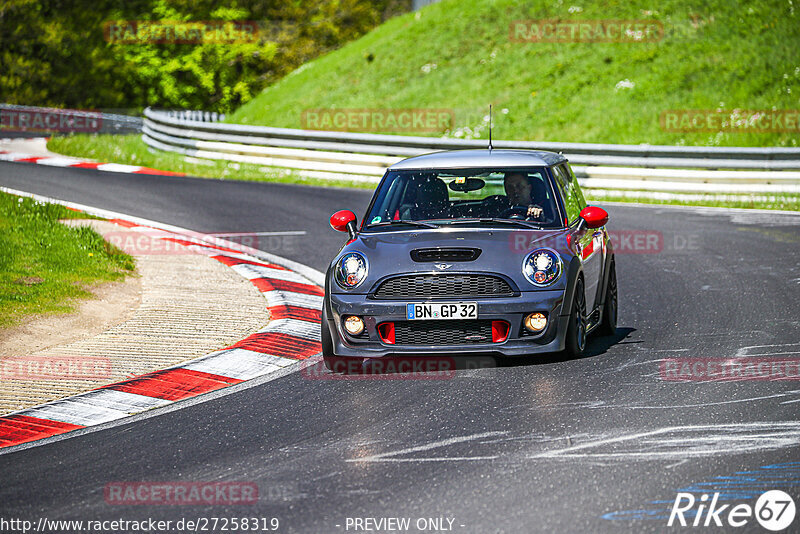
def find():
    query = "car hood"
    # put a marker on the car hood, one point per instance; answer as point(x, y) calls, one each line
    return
point(502, 251)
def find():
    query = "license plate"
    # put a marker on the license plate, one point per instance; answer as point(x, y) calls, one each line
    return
point(442, 310)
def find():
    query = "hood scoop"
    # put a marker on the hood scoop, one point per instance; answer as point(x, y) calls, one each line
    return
point(445, 254)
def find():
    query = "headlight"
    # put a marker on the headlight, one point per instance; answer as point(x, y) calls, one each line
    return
point(542, 267)
point(351, 270)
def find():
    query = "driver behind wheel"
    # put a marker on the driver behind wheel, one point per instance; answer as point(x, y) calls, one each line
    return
point(518, 190)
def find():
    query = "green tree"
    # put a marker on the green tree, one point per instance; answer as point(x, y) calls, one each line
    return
point(55, 52)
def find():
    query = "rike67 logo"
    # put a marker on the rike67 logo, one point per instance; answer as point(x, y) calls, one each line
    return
point(774, 510)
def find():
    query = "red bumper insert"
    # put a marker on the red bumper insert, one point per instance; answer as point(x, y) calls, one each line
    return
point(386, 331)
point(499, 331)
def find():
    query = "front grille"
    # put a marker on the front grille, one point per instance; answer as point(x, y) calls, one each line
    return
point(443, 332)
point(424, 286)
point(445, 254)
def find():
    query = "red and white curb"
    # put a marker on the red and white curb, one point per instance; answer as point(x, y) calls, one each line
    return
point(294, 301)
point(64, 161)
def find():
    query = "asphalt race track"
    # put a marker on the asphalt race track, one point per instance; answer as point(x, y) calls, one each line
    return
point(600, 444)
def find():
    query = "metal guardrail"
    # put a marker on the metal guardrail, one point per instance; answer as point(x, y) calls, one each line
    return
point(365, 156)
point(105, 123)
point(766, 158)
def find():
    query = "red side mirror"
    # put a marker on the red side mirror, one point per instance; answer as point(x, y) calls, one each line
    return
point(595, 217)
point(341, 220)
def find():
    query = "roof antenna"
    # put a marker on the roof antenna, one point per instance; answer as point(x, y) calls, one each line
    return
point(490, 127)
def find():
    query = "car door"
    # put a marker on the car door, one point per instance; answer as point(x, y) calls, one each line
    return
point(588, 242)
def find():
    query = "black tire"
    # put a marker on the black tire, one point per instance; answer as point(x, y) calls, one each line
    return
point(575, 345)
point(610, 309)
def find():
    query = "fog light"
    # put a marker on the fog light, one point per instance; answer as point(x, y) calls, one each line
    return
point(535, 322)
point(354, 325)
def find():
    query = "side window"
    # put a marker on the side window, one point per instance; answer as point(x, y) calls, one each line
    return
point(387, 203)
point(575, 186)
point(573, 197)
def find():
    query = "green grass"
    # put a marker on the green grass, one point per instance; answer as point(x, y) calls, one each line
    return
point(724, 54)
point(45, 265)
point(131, 150)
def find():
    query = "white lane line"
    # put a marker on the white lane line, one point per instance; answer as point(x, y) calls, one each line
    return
point(390, 456)
point(599, 404)
point(710, 440)
point(701, 405)
point(746, 351)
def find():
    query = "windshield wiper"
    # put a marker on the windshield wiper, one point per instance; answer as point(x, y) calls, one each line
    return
point(397, 222)
point(492, 220)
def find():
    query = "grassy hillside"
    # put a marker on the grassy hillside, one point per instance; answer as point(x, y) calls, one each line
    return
point(457, 54)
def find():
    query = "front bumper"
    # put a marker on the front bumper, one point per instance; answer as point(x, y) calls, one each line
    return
point(510, 309)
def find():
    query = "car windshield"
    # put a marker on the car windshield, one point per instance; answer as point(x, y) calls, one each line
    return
point(501, 197)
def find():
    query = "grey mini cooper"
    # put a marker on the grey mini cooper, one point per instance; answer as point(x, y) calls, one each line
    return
point(471, 251)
